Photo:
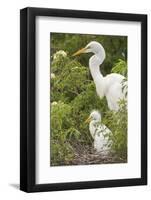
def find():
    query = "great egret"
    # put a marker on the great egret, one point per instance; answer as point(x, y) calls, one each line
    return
point(99, 132)
point(111, 85)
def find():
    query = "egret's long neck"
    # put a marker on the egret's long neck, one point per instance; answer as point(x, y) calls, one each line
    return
point(92, 128)
point(94, 65)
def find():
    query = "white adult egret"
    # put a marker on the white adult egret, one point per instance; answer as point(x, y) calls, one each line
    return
point(111, 85)
point(99, 132)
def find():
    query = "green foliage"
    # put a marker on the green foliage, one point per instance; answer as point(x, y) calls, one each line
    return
point(73, 96)
point(117, 122)
point(60, 124)
point(71, 79)
point(120, 67)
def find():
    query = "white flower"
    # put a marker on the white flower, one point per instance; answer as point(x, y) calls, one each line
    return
point(59, 53)
point(54, 103)
point(53, 76)
point(75, 68)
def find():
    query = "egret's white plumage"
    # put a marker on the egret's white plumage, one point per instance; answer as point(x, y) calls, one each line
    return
point(99, 132)
point(110, 86)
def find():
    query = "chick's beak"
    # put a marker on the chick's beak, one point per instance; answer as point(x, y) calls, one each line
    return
point(88, 120)
point(79, 52)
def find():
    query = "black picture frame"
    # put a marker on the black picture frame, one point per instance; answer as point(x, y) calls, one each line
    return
point(28, 99)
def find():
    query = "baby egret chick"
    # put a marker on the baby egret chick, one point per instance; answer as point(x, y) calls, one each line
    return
point(99, 132)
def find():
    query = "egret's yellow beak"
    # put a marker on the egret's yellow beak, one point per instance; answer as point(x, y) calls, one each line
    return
point(88, 120)
point(79, 52)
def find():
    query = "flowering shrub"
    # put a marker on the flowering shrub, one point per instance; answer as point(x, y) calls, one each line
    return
point(59, 54)
point(73, 97)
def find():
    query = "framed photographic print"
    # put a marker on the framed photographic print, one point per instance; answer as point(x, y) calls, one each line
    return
point(83, 95)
